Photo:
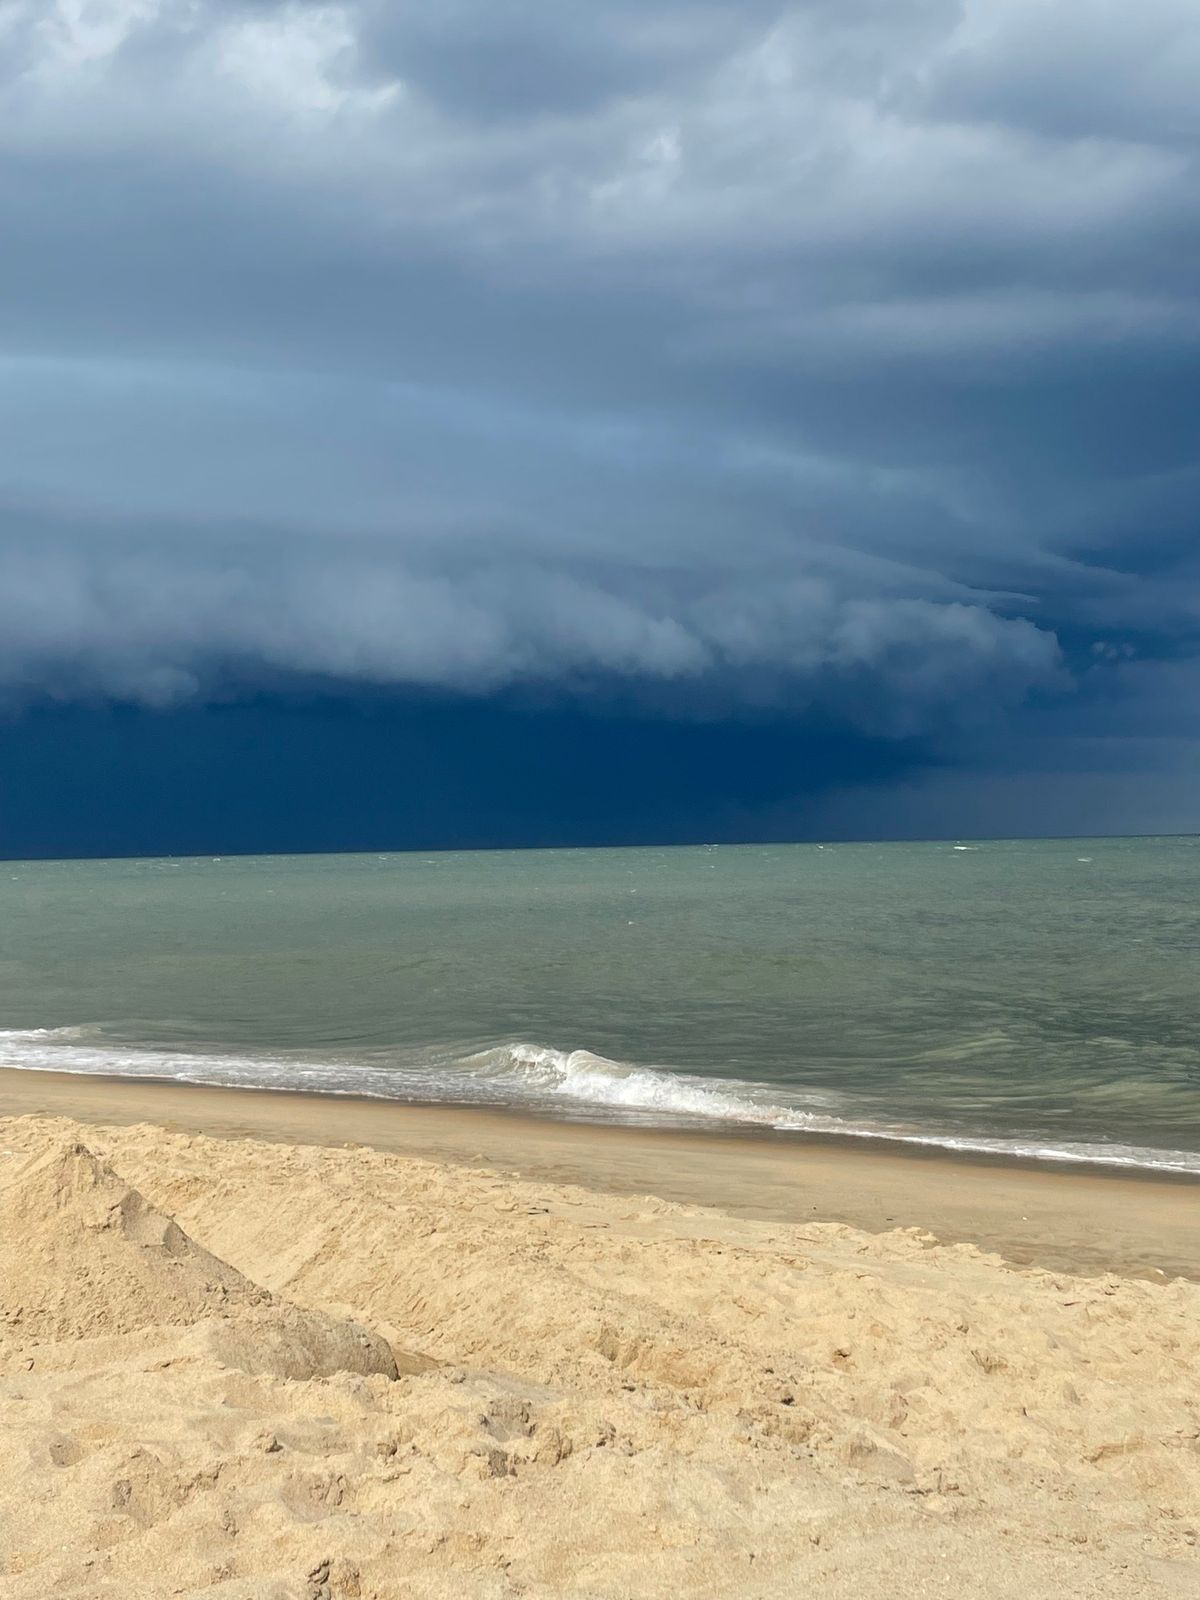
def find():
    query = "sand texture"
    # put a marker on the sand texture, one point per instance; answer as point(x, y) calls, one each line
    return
point(246, 1369)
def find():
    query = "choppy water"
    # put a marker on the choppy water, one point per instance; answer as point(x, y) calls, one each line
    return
point(1037, 997)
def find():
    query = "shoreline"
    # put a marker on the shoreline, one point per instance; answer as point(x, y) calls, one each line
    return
point(269, 1345)
point(1083, 1219)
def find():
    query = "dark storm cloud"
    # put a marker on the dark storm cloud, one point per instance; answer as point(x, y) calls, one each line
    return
point(158, 623)
point(829, 355)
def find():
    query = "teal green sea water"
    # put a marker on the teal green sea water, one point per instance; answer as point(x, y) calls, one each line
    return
point(1029, 997)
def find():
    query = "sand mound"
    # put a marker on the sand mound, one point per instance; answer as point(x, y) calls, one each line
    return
point(83, 1255)
point(638, 1398)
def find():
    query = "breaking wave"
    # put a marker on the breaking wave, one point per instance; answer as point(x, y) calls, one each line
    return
point(539, 1078)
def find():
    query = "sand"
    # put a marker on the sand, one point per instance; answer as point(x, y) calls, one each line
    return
point(275, 1367)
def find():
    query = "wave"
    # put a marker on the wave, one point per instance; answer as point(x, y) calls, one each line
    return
point(71, 1050)
point(580, 1075)
point(541, 1078)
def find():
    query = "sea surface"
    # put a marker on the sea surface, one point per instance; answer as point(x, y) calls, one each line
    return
point(1034, 998)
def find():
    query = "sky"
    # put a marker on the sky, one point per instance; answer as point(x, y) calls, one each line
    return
point(506, 423)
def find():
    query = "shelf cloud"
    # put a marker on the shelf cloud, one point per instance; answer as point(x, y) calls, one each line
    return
point(733, 361)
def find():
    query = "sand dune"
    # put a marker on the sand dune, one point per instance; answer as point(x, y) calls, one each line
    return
point(594, 1396)
point(83, 1255)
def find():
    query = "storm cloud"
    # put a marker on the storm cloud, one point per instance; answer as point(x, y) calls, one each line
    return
point(729, 361)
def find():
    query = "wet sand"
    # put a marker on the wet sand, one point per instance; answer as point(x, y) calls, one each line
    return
point(1083, 1219)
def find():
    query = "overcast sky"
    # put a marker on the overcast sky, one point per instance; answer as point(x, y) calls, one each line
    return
point(793, 414)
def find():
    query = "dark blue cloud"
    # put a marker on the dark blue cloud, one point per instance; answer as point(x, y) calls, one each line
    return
point(303, 772)
point(835, 365)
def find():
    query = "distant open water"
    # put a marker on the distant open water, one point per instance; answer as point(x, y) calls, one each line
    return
point(1032, 998)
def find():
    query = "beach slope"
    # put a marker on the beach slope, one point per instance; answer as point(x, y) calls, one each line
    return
point(239, 1368)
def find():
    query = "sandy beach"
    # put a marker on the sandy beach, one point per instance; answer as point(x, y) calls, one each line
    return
point(271, 1346)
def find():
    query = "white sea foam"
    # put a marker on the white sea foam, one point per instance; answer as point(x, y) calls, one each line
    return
point(542, 1078)
point(68, 1050)
point(582, 1076)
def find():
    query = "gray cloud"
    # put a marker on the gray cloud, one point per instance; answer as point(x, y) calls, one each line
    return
point(826, 354)
point(147, 623)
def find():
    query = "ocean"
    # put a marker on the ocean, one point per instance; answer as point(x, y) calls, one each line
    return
point(1028, 998)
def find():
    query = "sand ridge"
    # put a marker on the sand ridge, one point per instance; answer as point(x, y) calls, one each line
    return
point(603, 1396)
point(83, 1255)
